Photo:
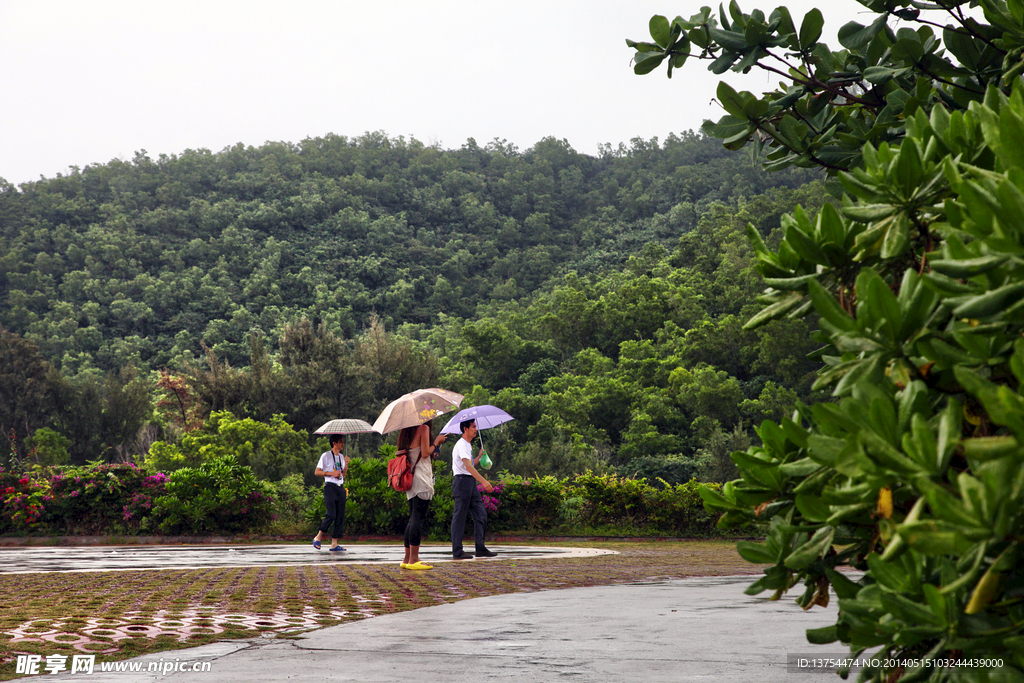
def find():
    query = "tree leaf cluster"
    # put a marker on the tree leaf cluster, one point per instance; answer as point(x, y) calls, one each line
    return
point(913, 473)
point(829, 102)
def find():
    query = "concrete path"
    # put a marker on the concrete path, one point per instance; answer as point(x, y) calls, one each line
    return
point(93, 559)
point(702, 629)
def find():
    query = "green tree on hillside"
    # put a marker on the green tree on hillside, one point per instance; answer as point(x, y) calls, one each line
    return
point(141, 262)
point(28, 384)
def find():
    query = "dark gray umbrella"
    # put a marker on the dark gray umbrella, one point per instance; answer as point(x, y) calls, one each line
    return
point(345, 427)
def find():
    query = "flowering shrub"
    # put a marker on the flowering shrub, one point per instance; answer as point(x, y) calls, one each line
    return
point(292, 499)
point(602, 504)
point(138, 507)
point(93, 499)
point(680, 507)
point(491, 502)
point(373, 506)
point(24, 500)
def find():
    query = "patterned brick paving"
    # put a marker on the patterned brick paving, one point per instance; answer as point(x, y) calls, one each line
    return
point(123, 614)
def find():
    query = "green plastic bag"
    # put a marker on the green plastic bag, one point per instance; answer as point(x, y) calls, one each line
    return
point(485, 461)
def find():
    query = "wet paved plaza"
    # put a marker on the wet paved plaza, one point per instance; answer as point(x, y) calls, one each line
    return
point(22, 560)
point(681, 630)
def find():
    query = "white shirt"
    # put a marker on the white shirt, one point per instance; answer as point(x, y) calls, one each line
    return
point(463, 449)
point(330, 462)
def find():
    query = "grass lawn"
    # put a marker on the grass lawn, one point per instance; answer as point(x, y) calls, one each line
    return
point(123, 614)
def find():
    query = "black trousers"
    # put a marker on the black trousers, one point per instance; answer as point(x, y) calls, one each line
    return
point(334, 498)
point(417, 513)
point(467, 499)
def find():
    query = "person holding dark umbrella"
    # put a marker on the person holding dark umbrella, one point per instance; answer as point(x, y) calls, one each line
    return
point(332, 468)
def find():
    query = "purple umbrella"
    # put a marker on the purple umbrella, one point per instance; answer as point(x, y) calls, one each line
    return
point(485, 416)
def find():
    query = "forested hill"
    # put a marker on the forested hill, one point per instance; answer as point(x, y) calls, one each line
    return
point(138, 262)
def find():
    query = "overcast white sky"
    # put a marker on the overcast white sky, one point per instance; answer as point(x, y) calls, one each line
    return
point(89, 81)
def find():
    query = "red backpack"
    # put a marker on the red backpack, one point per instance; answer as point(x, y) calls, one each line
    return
point(399, 472)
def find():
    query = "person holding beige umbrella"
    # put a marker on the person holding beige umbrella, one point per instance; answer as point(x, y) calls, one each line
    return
point(412, 414)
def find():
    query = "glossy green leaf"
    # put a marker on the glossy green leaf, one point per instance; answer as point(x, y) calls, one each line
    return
point(897, 238)
point(822, 636)
point(969, 267)
point(889, 574)
point(854, 36)
point(827, 307)
point(810, 29)
point(984, 448)
point(950, 421)
point(870, 212)
point(912, 613)
point(776, 310)
point(756, 553)
point(731, 100)
point(877, 307)
point(808, 552)
point(660, 30)
point(646, 63)
point(805, 246)
point(1011, 133)
point(933, 537)
point(813, 508)
point(990, 303)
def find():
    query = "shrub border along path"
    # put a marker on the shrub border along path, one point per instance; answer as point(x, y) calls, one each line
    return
point(124, 614)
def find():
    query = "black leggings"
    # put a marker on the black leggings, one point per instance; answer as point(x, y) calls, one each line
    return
point(417, 513)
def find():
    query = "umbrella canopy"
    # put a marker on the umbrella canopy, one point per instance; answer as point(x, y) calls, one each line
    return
point(415, 408)
point(485, 416)
point(345, 427)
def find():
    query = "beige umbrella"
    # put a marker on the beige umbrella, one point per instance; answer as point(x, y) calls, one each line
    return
point(415, 408)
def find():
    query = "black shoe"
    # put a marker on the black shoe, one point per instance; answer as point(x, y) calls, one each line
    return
point(462, 556)
point(484, 552)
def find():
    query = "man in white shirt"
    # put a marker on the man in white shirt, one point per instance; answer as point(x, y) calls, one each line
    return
point(332, 467)
point(467, 495)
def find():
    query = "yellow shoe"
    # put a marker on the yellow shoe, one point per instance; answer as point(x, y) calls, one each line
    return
point(419, 565)
point(403, 565)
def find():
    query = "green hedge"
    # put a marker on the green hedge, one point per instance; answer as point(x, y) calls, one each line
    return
point(584, 504)
point(221, 496)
